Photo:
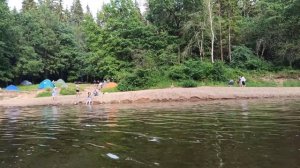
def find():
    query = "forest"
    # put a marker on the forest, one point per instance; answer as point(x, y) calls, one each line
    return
point(187, 41)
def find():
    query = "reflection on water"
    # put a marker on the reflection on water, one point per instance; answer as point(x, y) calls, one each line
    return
point(207, 134)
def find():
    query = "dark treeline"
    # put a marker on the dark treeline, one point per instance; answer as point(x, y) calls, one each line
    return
point(174, 39)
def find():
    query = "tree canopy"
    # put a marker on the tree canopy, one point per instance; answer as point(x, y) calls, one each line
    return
point(45, 40)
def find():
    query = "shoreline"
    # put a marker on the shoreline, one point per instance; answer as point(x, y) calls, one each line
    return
point(161, 95)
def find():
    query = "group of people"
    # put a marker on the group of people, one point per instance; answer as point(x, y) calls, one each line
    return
point(89, 100)
point(241, 82)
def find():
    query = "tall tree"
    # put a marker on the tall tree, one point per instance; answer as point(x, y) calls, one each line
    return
point(28, 5)
point(208, 4)
point(76, 12)
point(8, 53)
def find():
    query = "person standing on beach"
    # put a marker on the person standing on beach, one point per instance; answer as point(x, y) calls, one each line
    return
point(243, 81)
point(240, 81)
point(100, 86)
point(89, 100)
point(54, 92)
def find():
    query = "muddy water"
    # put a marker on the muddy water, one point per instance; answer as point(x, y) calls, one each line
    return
point(208, 134)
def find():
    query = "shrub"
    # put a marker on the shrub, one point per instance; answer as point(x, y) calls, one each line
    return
point(244, 58)
point(68, 91)
point(218, 71)
point(139, 79)
point(198, 70)
point(177, 72)
point(45, 93)
point(188, 83)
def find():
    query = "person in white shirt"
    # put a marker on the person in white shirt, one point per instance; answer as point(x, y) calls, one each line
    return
point(243, 80)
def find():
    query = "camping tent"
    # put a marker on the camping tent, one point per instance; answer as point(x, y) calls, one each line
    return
point(12, 88)
point(61, 83)
point(26, 83)
point(46, 84)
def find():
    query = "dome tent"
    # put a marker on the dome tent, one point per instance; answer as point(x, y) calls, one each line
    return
point(46, 84)
point(26, 83)
point(61, 83)
point(12, 88)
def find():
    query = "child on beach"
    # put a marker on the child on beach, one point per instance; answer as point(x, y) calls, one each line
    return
point(54, 93)
point(89, 100)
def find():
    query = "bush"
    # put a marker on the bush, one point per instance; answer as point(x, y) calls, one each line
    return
point(218, 71)
point(68, 91)
point(198, 70)
point(244, 58)
point(139, 79)
point(188, 83)
point(177, 72)
point(46, 93)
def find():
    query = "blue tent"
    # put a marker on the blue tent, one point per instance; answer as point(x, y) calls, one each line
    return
point(26, 83)
point(12, 88)
point(46, 84)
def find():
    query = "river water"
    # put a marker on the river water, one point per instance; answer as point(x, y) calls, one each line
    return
point(244, 133)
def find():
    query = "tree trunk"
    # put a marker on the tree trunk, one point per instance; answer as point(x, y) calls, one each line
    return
point(258, 43)
point(200, 49)
point(263, 50)
point(220, 33)
point(211, 30)
point(202, 39)
point(229, 42)
point(229, 33)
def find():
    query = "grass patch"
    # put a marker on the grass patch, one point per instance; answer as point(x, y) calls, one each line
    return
point(110, 90)
point(261, 84)
point(68, 91)
point(212, 83)
point(291, 83)
point(45, 93)
point(164, 83)
point(71, 89)
point(28, 88)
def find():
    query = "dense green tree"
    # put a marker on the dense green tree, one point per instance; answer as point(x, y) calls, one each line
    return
point(174, 39)
point(76, 12)
point(28, 5)
point(8, 47)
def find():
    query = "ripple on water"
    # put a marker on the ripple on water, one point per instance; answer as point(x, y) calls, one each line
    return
point(197, 135)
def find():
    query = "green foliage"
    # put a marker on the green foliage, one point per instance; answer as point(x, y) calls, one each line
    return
point(45, 93)
point(139, 79)
point(177, 72)
point(198, 70)
point(28, 88)
point(110, 90)
point(258, 83)
point(44, 40)
point(68, 91)
point(291, 83)
point(243, 57)
point(188, 83)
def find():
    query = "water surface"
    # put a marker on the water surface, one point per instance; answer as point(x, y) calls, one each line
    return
point(245, 133)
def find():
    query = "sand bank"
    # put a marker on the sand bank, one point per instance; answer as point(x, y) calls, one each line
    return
point(162, 95)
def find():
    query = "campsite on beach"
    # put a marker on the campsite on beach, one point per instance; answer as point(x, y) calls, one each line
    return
point(149, 83)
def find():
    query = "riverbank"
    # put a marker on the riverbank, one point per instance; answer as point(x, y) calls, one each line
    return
point(161, 95)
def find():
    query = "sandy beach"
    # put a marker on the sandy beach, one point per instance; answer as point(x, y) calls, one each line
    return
point(158, 95)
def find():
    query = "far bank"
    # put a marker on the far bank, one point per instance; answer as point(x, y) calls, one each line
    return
point(162, 95)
